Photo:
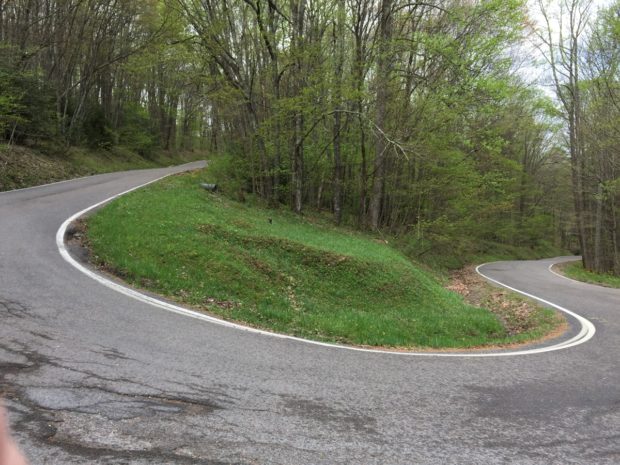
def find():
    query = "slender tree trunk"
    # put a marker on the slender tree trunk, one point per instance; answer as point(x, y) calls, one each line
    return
point(338, 168)
point(382, 83)
point(599, 259)
point(361, 14)
point(615, 234)
point(214, 130)
point(578, 190)
point(2, 38)
point(298, 164)
point(363, 177)
point(297, 13)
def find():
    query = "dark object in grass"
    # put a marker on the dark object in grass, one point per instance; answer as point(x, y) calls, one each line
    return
point(209, 187)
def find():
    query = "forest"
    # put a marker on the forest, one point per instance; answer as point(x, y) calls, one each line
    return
point(410, 118)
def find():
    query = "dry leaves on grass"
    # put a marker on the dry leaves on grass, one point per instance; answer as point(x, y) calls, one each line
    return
point(459, 287)
point(224, 304)
point(517, 315)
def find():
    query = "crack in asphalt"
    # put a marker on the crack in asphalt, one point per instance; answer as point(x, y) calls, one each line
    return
point(112, 424)
point(14, 308)
point(40, 411)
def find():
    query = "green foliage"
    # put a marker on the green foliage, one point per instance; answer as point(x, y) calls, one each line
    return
point(269, 97)
point(25, 101)
point(228, 172)
point(136, 130)
point(97, 130)
point(445, 250)
point(10, 110)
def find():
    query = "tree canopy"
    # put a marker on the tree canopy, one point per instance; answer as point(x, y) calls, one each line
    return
point(405, 117)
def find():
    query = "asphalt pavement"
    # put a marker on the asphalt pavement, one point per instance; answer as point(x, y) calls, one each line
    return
point(91, 375)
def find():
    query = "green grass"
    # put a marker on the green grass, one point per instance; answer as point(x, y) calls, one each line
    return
point(274, 270)
point(575, 270)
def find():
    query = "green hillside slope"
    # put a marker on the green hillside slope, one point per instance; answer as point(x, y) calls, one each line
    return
point(272, 269)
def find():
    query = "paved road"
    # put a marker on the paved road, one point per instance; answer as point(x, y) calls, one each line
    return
point(92, 376)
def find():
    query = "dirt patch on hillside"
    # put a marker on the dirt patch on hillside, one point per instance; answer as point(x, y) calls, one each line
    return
point(22, 167)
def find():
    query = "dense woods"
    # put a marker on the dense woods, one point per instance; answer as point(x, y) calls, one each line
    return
point(583, 57)
point(410, 118)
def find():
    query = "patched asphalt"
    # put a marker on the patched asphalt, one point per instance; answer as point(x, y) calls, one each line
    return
point(92, 376)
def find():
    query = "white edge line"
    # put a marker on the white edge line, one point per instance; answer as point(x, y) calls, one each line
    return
point(587, 327)
point(561, 275)
point(571, 279)
point(586, 333)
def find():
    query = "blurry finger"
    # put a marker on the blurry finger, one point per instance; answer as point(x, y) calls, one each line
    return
point(9, 453)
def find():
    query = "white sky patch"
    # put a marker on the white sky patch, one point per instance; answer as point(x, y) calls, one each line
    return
point(530, 62)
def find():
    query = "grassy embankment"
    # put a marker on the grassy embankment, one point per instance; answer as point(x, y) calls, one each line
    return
point(272, 269)
point(575, 270)
point(25, 167)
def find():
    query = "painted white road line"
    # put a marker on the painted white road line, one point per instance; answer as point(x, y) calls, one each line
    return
point(587, 327)
point(586, 333)
point(570, 279)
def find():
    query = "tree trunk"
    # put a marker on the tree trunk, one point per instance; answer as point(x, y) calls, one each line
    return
point(338, 168)
point(382, 83)
point(298, 8)
point(298, 164)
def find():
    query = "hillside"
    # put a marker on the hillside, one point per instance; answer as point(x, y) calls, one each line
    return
point(275, 270)
point(25, 167)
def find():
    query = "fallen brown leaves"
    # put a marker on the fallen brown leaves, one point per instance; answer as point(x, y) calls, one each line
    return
point(225, 304)
point(518, 315)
